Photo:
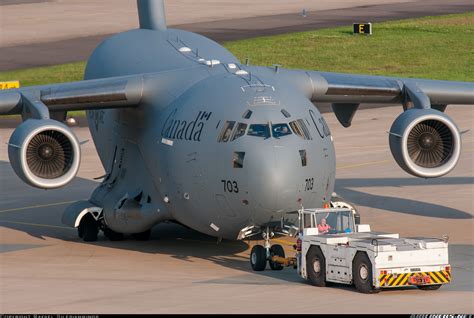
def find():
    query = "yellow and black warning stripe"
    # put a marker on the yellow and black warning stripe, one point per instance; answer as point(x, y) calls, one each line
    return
point(397, 280)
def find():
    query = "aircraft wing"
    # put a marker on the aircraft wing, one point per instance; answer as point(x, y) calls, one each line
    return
point(347, 91)
point(366, 89)
point(38, 101)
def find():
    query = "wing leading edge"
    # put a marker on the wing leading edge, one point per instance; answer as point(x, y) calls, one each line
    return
point(38, 101)
point(347, 91)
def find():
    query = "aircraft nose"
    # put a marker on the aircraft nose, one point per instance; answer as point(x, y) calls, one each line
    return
point(274, 177)
point(289, 175)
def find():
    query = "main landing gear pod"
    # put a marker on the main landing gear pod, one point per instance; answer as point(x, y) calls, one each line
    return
point(89, 220)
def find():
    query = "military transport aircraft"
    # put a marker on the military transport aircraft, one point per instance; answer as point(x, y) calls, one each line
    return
point(187, 133)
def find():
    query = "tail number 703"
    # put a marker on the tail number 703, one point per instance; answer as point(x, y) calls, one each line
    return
point(230, 186)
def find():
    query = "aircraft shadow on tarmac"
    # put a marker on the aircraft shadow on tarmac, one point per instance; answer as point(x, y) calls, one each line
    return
point(344, 187)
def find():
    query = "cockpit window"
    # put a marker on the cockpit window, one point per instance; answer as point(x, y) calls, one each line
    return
point(296, 128)
point(280, 130)
point(247, 114)
point(226, 131)
point(259, 130)
point(299, 127)
point(239, 131)
point(230, 131)
point(305, 129)
point(285, 113)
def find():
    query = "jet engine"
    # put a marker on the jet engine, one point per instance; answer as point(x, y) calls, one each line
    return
point(44, 153)
point(425, 142)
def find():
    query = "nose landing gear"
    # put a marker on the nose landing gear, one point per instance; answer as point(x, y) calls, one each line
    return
point(260, 255)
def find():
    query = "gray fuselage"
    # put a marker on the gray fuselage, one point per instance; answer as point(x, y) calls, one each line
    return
point(197, 155)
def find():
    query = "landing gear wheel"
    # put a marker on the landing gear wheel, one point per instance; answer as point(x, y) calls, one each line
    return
point(429, 287)
point(362, 274)
point(142, 236)
point(316, 267)
point(112, 235)
point(88, 228)
point(258, 258)
point(276, 250)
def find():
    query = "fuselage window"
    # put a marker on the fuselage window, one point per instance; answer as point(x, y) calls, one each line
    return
point(239, 131)
point(285, 113)
point(280, 130)
point(259, 130)
point(299, 127)
point(238, 159)
point(226, 131)
point(303, 158)
point(247, 114)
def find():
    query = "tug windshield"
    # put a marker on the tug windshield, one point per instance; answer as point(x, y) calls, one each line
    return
point(339, 222)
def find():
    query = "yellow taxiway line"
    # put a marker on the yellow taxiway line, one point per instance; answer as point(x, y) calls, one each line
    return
point(363, 164)
point(37, 206)
point(38, 224)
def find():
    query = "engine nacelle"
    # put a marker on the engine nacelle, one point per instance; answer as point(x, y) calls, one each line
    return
point(44, 153)
point(425, 142)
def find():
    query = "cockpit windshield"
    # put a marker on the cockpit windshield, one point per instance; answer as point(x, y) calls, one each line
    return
point(259, 130)
point(239, 131)
point(280, 130)
point(300, 128)
point(233, 130)
point(226, 131)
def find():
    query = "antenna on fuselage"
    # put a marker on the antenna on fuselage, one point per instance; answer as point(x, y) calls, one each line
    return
point(151, 14)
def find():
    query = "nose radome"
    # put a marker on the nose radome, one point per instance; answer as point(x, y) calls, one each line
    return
point(274, 178)
point(263, 179)
point(290, 175)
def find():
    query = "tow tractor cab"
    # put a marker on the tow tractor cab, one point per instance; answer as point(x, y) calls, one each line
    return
point(350, 253)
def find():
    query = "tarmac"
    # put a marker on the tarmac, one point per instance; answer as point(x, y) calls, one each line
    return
point(47, 32)
point(46, 268)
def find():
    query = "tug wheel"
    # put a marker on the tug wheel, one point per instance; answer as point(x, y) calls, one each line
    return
point(316, 266)
point(362, 274)
point(429, 287)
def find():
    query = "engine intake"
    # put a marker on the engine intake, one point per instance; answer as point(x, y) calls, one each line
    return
point(425, 142)
point(44, 153)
